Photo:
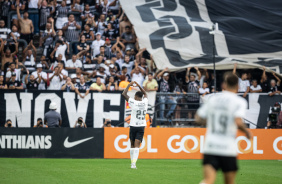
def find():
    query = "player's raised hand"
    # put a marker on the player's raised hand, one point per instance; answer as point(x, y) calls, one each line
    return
point(249, 135)
point(131, 83)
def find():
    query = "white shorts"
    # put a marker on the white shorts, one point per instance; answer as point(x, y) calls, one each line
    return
point(60, 22)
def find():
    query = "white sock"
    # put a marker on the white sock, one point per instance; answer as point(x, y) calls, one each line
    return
point(131, 154)
point(135, 155)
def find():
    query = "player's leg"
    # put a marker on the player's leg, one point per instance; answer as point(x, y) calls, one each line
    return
point(209, 174)
point(210, 166)
point(132, 140)
point(229, 168)
point(137, 142)
point(229, 177)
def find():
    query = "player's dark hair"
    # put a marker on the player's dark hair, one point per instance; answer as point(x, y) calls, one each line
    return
point(139, 94)
point(231, 80)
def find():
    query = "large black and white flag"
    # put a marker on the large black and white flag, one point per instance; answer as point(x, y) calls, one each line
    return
point(177, 32)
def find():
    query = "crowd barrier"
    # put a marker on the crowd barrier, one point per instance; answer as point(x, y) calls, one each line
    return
point(158, 143)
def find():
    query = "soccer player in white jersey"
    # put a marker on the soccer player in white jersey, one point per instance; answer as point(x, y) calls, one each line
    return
point(223, 115)
point(139, 107)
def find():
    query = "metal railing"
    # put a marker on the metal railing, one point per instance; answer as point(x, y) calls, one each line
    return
point(186, 106)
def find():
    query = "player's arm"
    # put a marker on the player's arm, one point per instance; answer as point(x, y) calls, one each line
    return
point(141, 89)
point(124, 93)
point(241, 126)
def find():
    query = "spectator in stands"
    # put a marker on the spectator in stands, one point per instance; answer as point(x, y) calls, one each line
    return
point(29, 56)
point(82, 45)
point(45, 11)
point(13, 83)
point(264, 82)
point(34, 17)
point(32, 83)
point(204, 90)
point(128, 64)
point(78, 74)
point(96, 44)
point(255, 87)
point(8, 124)
point(3, 85)
point(193, 86)
point(274, 87)
point(81, 87)
point(71, 31)
point(113, 72)
point(164, 87)
point(112, 85)
point(89, 65)
point(68, 86)
point(101, 24)
point(5, 8)
point(60, 48)
point(86, 14)
point(12, 69)
point(11, 45)
point(62, 15)
point(98, 85)
point(76, 6)
point(7, 56)
point(5, 32)
point(124, 23)
point(44, 62)
point(100, 73)
point(123, 83)
point(40, 124)
point(59, 36)
point(52, 118)
point(63, 72)
point(108, 48)
point(127, 38)
point(244, 84)
point(124, 72)
point(47, 38)
point(150, 84)
point(89, 34)
point(110, 32)
point(137, 75)
point(14, 5)
point(37, 73)
point(55, 79)
point(80, 123)
point(73, 63)
point(26, 26)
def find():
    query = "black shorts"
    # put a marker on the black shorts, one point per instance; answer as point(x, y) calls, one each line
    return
point(136, 133)
point(226, 164)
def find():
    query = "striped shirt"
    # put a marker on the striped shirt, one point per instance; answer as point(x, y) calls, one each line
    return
point(89, 67)
point(49, 41)
point(29, 63)
point(4, 32)
point(72, 34)
point(103, 77)
point(44, 14)
point(62, 11)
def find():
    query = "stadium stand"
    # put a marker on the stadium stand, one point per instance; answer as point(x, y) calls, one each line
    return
point(97, 41)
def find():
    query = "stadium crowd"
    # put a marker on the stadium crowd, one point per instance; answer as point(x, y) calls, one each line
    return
point(84, 45)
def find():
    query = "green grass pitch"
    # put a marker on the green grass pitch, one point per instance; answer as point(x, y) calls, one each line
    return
point(117, 171)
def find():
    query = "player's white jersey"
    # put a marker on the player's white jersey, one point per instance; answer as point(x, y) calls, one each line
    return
point(138, 112)
point(220, 112)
